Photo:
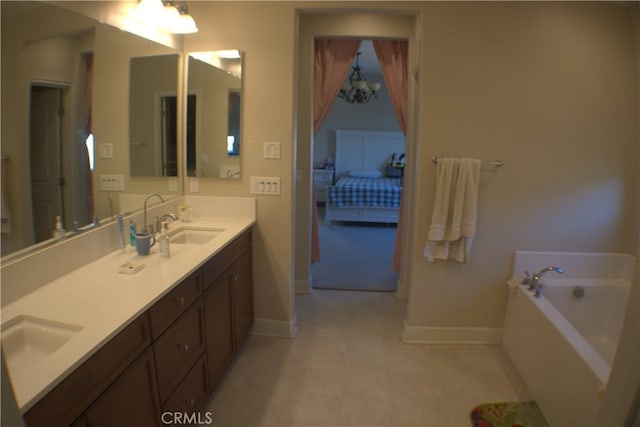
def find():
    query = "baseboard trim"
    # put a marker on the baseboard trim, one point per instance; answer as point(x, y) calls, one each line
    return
point(451, 335)
point(275, 328)
point(303, 286)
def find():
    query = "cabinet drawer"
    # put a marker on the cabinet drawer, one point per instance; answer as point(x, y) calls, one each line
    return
point(217, 265)
point(192, 393)
point(132, 399)
point(76, 392)
point(171, 306)
point(178, 348)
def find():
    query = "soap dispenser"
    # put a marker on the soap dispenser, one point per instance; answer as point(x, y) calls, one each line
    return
point(58, 232)
point(163, 241)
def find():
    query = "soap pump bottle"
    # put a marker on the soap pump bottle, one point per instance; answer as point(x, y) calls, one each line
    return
point(58, 232)
point(163, 241)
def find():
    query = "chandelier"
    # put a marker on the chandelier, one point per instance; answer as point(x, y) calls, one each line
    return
point(356, 89)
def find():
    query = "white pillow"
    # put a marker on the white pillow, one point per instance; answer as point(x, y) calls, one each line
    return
point(362, 173)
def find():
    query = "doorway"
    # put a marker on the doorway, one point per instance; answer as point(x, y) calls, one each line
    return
point(360, 133)
point(47, 174)
point(370, 24)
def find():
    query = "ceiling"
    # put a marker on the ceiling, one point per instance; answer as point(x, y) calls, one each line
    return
point(368, 60)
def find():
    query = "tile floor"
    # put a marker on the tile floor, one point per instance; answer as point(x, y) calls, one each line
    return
point(348, 366)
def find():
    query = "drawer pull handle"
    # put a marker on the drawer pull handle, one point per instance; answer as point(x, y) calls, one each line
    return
point(183, 347)
point(180, 300)
point(191, 402)
point(236, 277)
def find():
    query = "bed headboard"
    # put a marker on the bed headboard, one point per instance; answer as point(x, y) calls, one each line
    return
point(365, 149)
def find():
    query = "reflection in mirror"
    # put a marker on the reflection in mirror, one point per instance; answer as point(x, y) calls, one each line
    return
point(213, 114)
point(64, 86)
point(153, 141)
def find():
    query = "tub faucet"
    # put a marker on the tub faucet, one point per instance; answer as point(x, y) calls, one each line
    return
point(534, 281)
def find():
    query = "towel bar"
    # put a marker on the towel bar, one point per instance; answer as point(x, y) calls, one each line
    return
point(436, 159)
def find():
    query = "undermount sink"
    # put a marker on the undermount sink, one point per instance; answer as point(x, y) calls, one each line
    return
point(27, 340)
point(193, 236)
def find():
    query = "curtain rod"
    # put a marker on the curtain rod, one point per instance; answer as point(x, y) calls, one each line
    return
point(436, 159)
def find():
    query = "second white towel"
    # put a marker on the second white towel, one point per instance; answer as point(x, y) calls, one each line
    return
point(453, 222)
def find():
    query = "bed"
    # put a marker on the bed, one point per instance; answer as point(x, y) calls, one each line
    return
point(362, 198)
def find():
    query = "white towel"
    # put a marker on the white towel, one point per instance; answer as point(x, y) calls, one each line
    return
point(453, 222)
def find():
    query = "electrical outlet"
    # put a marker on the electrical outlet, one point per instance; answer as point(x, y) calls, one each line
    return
point(265, 185)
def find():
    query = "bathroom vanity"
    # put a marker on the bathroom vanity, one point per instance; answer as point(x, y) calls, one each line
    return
point(153, 342)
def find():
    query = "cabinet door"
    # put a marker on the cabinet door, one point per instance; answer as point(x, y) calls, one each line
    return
point(242, 284)
point(218, 321)
point(132, 399)
point(179, 347)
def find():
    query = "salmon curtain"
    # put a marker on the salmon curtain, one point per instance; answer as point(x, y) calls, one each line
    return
point(332, 62)
point(394, 59)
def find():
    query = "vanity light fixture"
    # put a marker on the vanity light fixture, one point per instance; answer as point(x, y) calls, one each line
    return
point(173, 16)
point(356, 89)
point(185, 24)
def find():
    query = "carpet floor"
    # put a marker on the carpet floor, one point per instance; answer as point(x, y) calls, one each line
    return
point(355, 256)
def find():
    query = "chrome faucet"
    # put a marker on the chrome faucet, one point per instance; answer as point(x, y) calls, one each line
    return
point(145, 226)
point(534, 281)
point(161, 219)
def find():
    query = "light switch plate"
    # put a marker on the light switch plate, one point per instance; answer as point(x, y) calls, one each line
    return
point(173, 184)
point(106, 151)
point(194, 184)
point(265, 185)
point(272, 150)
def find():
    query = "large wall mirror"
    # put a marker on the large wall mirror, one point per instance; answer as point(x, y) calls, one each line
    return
point(65, 121)
point(153, 112)
point(214, 140)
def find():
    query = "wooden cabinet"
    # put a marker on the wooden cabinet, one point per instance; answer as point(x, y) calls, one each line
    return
point(178, 348)
point(75, 393)
point(172, 305)
point(168, 359)
point(219, 326)
point(193, 391)
point(132, 400)
point(242, 285)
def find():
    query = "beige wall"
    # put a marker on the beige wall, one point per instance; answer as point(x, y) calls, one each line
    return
point(265, 33)
point(542, 86)
point(545, 87)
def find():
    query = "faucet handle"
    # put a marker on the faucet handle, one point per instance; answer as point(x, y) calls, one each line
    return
point(527, 278)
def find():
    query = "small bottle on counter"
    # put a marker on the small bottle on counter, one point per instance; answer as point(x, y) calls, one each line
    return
point(163, 241)
point(59, 231)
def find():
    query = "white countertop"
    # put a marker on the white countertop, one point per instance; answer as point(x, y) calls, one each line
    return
point(103, 302)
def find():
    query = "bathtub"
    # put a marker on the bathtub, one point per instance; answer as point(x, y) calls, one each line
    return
point(563, 346)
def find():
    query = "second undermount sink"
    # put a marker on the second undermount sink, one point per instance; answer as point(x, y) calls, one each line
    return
point(193, 235)
point(27, 340)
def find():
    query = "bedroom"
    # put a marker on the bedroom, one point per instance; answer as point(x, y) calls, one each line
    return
point(357, 245)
